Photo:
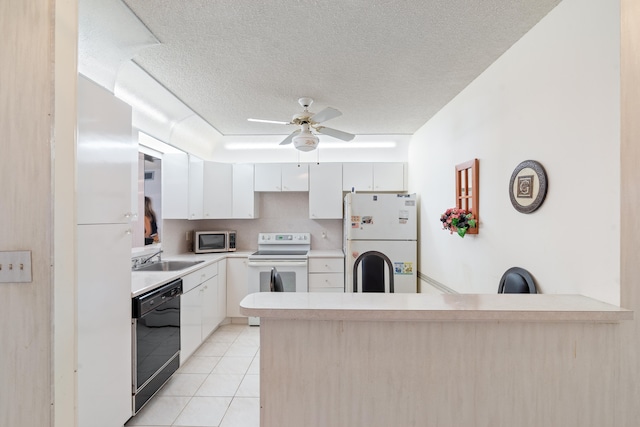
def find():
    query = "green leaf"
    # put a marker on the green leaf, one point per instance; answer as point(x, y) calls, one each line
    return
point(472, 222)
point(462, 232)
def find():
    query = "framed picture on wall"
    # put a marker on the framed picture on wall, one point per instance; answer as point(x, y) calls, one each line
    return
point(528, 186)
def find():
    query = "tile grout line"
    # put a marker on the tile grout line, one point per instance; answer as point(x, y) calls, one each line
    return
point(241, 381)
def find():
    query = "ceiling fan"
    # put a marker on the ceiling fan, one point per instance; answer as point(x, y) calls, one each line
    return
point(303, 139)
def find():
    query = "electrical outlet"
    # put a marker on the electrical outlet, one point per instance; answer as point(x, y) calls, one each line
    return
point(15, 267)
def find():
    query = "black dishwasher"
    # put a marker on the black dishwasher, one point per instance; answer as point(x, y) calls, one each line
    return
point(156, 340)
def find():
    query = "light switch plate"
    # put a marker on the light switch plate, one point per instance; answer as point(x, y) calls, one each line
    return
point(15, 267)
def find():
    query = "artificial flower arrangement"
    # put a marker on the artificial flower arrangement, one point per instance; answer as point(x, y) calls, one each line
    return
point(458, 220)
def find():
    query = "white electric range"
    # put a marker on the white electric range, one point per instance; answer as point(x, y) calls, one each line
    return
point(288, 253)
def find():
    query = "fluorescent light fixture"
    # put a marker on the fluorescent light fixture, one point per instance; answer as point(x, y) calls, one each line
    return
point(322, 145)
point(277, 122)
point(147, 140)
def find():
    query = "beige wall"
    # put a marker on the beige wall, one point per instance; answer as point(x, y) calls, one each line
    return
point(64, 304)
point(37, 130)
point(553, 97)
point(26, 117)
point(26, 111)
point(630, 200)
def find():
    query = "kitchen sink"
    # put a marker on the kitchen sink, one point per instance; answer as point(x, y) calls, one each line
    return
point(168, 266)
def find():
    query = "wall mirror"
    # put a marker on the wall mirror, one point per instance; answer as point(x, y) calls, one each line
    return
point(467, 194)
point(152, 199)
point(148, 186)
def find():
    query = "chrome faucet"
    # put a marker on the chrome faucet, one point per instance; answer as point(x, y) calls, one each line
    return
point(146, 260)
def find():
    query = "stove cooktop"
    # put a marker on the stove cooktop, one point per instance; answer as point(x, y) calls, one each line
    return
point(282, 246)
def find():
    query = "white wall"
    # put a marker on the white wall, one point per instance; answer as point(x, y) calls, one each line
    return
point(553, 97)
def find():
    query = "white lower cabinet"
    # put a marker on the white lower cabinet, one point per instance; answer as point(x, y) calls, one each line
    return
point(104, 324)
point(209, 307)
point(326, 274)
point(190, 323)
point(199, 308)
point(237, 286)
point(221, 312)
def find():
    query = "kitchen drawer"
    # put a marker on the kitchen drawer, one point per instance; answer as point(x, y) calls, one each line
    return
point(203, 274)
point(326, 265)
point(326, 282)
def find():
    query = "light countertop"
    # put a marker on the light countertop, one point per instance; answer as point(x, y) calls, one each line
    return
point(145, 281)
point(335, 253)
point(428, 307)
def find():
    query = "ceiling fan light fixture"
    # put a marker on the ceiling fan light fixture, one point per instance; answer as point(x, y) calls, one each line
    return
point(305, 141)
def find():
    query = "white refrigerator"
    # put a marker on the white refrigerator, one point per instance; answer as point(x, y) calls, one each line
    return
point(385, 223)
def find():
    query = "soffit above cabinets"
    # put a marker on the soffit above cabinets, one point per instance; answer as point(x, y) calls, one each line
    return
point(387, 66)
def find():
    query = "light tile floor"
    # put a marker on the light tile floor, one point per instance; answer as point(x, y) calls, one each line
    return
point(217, 387)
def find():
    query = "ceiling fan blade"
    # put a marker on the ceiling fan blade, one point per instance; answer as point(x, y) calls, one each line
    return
point(288, 139)
point(326, 114)
point(277, 122)
point(335, 133)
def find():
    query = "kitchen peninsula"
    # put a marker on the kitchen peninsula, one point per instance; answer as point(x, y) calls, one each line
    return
point(437, 360)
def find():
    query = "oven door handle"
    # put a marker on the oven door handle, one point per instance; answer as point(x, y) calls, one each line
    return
point(276, 263)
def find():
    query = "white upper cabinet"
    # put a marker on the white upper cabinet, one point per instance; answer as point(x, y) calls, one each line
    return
point(374, 177)
point(175, 186)
point(295, 177)
point(244, 203)
point(267, 177)
point(218, 186)
point(107, 156)
point(281, 177)
point(357, 176)
point(325, 191)
point(389, 177)
point(196, 187)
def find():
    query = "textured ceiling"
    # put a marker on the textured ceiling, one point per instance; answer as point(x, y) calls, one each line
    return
point(388, 65)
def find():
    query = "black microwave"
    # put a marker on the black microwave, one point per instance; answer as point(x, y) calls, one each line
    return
point(205, 242)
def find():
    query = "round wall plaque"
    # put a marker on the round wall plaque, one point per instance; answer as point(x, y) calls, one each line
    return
point(528, 186)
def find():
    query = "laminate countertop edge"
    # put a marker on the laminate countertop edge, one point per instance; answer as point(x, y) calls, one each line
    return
point(430, 307)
